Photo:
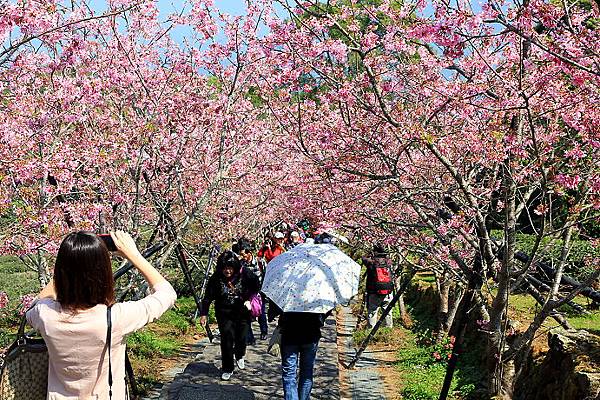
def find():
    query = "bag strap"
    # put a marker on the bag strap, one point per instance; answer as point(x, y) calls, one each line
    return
point(21, 331)
point(109, 344)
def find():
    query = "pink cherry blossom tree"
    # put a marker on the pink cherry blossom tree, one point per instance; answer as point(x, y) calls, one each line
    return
point(435, 127)
point(458, 121)
point(111, 124)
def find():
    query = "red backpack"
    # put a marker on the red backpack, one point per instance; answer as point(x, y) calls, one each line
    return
point(379, 276)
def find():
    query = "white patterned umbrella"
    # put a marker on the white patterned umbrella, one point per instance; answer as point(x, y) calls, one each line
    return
point(311, 278)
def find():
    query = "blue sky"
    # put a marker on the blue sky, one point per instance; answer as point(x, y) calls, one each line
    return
point(166, 7)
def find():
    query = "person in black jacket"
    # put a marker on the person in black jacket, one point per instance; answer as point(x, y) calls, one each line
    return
point(250, 262)
point(230, 287)
point(300, 334)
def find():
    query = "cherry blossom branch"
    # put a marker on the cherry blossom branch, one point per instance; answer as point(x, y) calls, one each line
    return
point(537, 43)
point(8, 52)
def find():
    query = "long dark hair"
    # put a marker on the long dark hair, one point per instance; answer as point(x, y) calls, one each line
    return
point(83, 274)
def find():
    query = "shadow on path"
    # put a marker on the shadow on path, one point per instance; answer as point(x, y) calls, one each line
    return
point(261, 379)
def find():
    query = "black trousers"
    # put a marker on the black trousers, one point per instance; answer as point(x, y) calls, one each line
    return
point(234, 331)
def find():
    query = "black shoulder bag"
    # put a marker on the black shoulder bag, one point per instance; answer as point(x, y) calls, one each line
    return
point(24, 368)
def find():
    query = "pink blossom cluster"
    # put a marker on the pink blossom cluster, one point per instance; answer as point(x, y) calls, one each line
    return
point(26, 302)
point(3, 300)
point(365, 125)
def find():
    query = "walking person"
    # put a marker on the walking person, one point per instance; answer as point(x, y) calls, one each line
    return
point(294, 240)
point(379, 284)
point(250, 262)
point(71, 314)
point(230, 287)
point(299, 290)
point(273, 248)
point(300, 334)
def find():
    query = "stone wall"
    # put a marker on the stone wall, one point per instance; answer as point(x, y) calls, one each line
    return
point(569, 371)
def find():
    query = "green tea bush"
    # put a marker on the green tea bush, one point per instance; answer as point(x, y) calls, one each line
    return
point(580, 253)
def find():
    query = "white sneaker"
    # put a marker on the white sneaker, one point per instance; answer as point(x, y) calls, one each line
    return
point(241, 363)
point(226, 376)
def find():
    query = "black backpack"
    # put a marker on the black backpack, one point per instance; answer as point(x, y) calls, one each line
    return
point(379, 276)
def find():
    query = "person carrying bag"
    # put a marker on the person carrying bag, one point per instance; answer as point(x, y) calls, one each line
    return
point(231, 288)
point(24, 367)
point(82, 326)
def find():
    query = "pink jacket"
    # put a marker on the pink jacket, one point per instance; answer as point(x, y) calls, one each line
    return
point(78, 367)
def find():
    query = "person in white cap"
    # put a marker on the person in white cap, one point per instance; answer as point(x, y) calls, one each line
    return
point(294, 240)
point(275, 248)
point(278, 235)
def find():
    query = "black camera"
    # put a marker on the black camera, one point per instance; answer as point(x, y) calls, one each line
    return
point(108, 241)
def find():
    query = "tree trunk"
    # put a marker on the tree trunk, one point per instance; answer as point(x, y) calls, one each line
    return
point(443, 285)
point(43, 273)
point(502, 372)
point(456, 299)
point(405, 318)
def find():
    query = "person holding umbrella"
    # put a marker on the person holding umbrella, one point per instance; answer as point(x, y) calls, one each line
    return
point(300, 334)
point(230, 287)
point(304, 284)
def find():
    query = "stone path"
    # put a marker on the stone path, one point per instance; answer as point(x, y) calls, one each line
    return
point(201, 378)
point(363, 381)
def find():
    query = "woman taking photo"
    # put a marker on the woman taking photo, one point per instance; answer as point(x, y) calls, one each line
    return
point(71, 315)
point(230, 287)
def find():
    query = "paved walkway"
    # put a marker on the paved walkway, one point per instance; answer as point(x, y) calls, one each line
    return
point(363, 381)
point(201, 378)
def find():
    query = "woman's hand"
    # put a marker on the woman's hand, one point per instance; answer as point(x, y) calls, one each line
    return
point(203, 320)
point(125, 245)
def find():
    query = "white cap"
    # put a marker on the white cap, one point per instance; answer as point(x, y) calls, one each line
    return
point(278, 235)
point(295, 234)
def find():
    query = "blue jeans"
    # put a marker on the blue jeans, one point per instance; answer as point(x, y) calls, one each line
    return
point(293, 357)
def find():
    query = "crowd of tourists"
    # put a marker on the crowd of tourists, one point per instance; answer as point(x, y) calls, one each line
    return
point(85, 328)
point(238, 275)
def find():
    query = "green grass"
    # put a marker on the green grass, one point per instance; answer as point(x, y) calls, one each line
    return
point(177, 322)
point(147, 344)
point(421, 374)
point(421, 377)
point(424, 277)
point(590, 322)
point(524, 308)
point(16, 280)
point(383, 335)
